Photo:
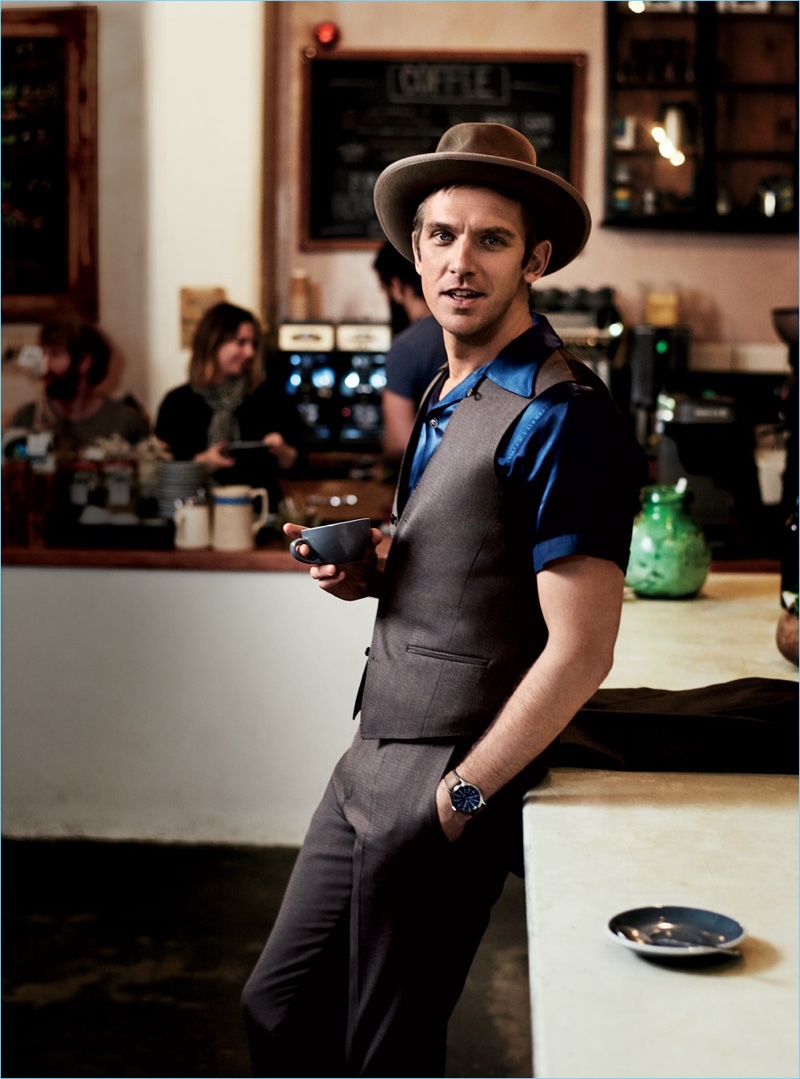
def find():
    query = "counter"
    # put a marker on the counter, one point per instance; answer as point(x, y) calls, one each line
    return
point(371, 498)
point(598, 843)
point(176, 705)
point(272, 557)
point(331, 499)
point(726, 632)
point(197, 706)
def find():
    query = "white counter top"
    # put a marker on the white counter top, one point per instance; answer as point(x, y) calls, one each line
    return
point(726, 632)
point(598, 843)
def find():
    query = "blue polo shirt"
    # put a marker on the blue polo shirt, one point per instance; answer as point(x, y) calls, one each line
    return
point(570, 457)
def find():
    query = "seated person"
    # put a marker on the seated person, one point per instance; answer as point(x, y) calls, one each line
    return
point(416, 354)
point(225, 401)
point(72, 405)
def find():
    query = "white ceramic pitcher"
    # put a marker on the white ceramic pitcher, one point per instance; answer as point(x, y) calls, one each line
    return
point(192, 526)
point(235, 526)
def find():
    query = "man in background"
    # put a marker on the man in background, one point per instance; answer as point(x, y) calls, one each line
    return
point(416, 354)
point(72, 405)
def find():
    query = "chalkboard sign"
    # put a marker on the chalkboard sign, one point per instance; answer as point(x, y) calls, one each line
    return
point(49, 163)
point(364, 111)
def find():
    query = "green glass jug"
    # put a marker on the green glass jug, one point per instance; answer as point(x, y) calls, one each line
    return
point(670, 557)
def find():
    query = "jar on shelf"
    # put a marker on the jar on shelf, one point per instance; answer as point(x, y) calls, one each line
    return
point(622, 191)
point(120, 484)
point(670, 556)
point(85, 484)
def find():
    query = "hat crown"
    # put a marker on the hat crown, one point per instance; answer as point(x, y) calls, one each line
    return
point(484, 155)
point(488, 140)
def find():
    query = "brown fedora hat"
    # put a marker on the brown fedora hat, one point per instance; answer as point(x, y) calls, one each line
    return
point(486, 155)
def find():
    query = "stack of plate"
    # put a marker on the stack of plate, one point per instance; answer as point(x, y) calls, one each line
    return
point(176, 481)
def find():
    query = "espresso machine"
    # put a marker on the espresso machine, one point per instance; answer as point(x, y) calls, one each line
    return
point(694, 432)
point(334, 376)
point(588, 322)
point(306, 369)
point(361, 349)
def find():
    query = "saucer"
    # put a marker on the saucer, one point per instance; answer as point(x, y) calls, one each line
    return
point(670, 932)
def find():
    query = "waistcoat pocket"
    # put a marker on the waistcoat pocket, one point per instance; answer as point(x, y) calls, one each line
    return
point(450, 657)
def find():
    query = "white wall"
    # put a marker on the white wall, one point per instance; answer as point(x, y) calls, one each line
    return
point(180, 145)
point(173, 705)
point(203, 88)
point(123, 235)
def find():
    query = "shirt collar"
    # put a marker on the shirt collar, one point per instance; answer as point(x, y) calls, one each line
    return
point(516, 366)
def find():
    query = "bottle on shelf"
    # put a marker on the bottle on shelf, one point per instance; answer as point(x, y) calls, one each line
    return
point(622, 192)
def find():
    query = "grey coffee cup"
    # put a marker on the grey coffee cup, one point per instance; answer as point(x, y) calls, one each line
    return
point(335, 544)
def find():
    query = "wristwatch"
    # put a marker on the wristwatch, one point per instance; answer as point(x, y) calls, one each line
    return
point(464, 797)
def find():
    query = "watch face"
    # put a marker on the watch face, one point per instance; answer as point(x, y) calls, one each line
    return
point(466, 798)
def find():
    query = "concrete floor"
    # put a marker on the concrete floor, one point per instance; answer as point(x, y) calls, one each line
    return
point(127, 959)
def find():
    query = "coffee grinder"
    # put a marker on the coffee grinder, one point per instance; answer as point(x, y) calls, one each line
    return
point(658, 357)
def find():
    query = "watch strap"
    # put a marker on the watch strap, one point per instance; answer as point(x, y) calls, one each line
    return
point(452, 779)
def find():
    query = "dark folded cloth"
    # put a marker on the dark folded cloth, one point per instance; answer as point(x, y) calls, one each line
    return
point(747, 725)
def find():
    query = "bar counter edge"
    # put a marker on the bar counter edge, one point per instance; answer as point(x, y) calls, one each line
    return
point(272, 558)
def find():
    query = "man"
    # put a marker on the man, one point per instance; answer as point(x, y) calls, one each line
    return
point(498, 608)
point(72, 405)
point(401, 283)
point(416, 353)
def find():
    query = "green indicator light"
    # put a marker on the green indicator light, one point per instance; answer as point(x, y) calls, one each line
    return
point(662, 347)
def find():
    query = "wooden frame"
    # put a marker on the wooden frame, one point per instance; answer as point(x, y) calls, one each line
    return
point(49, 197)
point(398, 104)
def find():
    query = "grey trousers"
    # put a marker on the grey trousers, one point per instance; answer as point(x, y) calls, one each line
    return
point(380, 921)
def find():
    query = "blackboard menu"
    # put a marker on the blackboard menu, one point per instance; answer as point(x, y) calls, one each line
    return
point(362, 112)
point(34, 165)
point(49, 163)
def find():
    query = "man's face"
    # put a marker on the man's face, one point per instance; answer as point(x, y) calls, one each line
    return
point(61, 377)
point(470, 258)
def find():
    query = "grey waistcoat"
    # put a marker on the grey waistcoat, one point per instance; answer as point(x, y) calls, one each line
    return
point(458, 622)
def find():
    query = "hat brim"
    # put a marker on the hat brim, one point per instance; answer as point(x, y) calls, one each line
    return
point(558, 210)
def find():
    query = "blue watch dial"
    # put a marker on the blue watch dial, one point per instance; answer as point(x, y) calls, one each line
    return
point(466, 798)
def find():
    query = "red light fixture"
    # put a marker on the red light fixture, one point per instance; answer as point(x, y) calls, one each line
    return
point(326, 34)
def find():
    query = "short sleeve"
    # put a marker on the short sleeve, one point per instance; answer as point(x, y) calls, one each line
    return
point(582, 471)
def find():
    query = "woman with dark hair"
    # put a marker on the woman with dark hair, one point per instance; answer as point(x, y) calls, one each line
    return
point(227, 401)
